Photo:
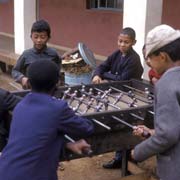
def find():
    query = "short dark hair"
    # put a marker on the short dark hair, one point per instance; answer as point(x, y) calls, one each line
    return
point(43, 75)
point(172, 49)
point(130, 32)
point(41, 26)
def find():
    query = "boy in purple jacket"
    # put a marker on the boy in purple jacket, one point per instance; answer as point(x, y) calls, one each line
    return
point(38, 126)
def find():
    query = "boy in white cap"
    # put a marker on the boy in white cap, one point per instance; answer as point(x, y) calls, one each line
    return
point(163, 53)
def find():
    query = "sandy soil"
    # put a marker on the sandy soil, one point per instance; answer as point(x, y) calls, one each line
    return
point(88, 169)
point(91, 169)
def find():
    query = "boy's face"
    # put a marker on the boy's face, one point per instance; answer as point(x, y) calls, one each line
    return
point(158, 63)
point(125, 42)
point(39, 39)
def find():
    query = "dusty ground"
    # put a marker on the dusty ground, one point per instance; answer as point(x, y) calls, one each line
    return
point(85, 168)
point(91, 169)
point(88, 169)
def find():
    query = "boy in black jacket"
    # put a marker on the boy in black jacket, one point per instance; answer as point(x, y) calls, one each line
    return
point(123, 64)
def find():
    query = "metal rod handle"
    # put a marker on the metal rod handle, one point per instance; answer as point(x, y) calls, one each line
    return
point(101, 124)
point(144, 133)
point(86, 151)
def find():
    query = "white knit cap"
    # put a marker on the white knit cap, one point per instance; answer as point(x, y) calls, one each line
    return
point(160, 36)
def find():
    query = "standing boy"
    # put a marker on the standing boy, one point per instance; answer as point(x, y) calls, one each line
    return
point(163, 54)
point(123, 64)
point(38, 127)
point(40, 35)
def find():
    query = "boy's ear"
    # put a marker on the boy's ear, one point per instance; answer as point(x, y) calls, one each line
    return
point(134, 42)
point(54, 89)
point(165, 57)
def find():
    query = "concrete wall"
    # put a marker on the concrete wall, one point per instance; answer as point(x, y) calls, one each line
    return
point(171, 13)
point(6, 17)
point(71, 23)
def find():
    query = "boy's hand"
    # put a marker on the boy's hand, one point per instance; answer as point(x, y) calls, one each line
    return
point(79, 147)
point(140, 130)
point(96, 80)
point(154, 80)
point(24, 83)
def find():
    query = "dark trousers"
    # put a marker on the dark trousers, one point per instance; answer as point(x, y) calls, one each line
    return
point(118, 154)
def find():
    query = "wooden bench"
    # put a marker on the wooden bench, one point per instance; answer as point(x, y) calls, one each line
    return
point(7, 60)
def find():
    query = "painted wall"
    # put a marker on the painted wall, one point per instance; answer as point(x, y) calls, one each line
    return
point(171, 13)
point(6, 17)
point(71, 23)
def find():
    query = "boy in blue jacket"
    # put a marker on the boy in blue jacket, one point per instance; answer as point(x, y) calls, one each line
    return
point(38, 126)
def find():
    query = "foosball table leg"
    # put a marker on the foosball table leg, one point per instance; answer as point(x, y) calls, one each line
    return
point(125, 157)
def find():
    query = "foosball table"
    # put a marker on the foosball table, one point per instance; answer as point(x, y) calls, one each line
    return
point(114, 108)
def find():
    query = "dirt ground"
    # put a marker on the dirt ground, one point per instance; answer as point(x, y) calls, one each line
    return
point(85, 168)
point(91, 169)
point(88, 169)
